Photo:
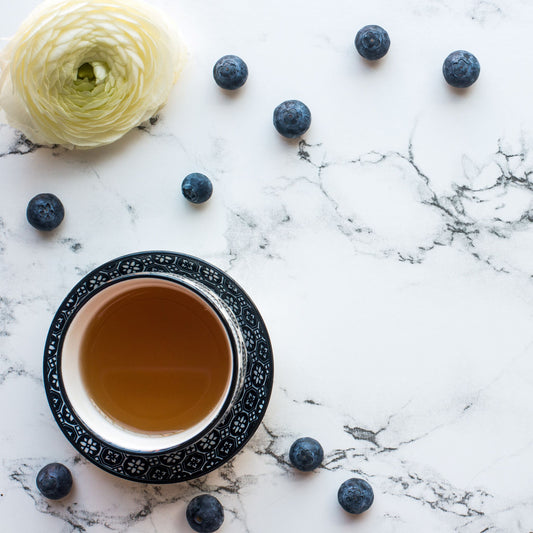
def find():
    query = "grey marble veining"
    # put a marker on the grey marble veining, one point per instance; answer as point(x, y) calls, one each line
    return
point(389, 252)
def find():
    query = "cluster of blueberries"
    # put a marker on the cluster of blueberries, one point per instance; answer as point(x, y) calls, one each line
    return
point(355, 495)
point(45, 211)
point(460, 69)
point(205, 513)
point(292, 118)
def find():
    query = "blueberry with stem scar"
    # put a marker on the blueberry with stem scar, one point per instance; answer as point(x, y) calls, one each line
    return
point(292, 118)
point(197, 188)
point(205, 514)
point(54, 481)
point(45, 212)
point(372, 42)
point(230, 72)
point(306, 454)
point(355, 496)
point(461, 69)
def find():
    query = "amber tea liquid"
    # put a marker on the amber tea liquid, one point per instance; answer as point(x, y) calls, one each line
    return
point(156, 358)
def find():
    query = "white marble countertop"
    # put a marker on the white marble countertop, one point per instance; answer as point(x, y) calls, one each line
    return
point(390, 253)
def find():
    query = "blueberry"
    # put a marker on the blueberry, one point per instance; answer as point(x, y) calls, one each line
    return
point(197, 188)
point(306, 454)
point(355, 496)
point(54, 481)
point(461, 69)
point(292, 118)
point(372, 42)
point(230, 72)
point(205, 513)
point(45, 212)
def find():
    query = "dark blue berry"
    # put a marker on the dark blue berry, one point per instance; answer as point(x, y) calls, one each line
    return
point(54, 481)
point(306, 454)
point(372, 42)
point(197, 188)
point(292, 118)
point(355, 496)
point(205, 513)
point(461, 69)
point(45, 212)
point(230, 72)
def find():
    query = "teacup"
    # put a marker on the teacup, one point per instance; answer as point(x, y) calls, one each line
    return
point(105, 304)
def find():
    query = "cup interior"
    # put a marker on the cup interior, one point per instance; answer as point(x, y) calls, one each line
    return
point(75, 386)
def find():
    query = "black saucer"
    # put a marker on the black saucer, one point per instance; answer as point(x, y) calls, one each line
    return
point(227, 438)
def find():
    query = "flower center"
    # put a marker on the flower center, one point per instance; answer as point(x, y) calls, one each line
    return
point(86, 72)
point(90, 75)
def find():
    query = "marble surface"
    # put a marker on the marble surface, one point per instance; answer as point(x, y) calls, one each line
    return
point(390, 253)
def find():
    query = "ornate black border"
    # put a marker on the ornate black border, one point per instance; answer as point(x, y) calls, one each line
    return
point(188, 461)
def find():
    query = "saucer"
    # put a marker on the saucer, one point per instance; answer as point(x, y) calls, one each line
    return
point(227, 438)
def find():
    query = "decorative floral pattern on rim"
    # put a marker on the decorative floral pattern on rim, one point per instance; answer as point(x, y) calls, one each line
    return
point(228, 437)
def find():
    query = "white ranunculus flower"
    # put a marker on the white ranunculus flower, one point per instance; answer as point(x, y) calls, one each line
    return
point(82, 73)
